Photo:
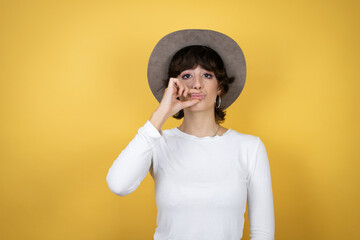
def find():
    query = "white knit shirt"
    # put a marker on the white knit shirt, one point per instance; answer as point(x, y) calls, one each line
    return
point(202, 184)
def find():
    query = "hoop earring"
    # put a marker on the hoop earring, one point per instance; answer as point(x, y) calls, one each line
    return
point(219, 102)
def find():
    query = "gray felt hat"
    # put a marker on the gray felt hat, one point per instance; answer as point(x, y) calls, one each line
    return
point(226, 47)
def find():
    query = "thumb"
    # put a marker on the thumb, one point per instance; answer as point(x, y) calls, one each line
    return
point(189, 103)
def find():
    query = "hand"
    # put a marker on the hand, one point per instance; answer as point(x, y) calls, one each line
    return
point(169, 102)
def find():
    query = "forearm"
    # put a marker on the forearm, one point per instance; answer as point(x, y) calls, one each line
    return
point(158, 118)
point(133, 163)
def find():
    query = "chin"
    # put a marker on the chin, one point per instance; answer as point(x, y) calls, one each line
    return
point(200, 107)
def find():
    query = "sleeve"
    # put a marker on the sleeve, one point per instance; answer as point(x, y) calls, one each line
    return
point(260, 197)
point(133, 163)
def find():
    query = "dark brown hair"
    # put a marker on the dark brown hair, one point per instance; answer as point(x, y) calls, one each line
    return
point(197, 55)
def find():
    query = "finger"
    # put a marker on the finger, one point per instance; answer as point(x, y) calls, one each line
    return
point(183, 87)
point(192, 90)
point(173, 86)
point(172, 83)
point(180, 86)
point(189, 103)
point(186, 90)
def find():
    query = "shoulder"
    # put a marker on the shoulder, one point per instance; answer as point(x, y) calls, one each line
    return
point(245, 138)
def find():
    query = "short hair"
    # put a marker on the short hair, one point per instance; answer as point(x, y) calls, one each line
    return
point(198, 55)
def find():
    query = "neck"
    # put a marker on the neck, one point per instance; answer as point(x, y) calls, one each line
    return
point(199, 124)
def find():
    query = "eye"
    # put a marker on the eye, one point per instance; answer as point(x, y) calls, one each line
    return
point(185, 76)
point(208, 75)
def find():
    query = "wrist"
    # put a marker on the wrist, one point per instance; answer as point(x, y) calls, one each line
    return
point(162, 113)
point(158, 118)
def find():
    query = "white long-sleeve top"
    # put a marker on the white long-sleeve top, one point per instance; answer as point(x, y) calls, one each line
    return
point(202, 184)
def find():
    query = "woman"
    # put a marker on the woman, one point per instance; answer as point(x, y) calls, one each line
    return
point(204, 173)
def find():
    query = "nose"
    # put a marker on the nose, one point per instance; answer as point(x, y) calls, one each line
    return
point(197, 82)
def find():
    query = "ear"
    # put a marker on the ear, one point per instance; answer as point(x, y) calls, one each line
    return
point(219, 91)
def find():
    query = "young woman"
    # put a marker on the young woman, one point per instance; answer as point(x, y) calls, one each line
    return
point(204, 173)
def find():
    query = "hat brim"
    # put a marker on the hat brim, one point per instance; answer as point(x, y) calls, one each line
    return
point(229, 51)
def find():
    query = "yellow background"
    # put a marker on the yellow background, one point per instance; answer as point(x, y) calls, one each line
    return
point(74, 93)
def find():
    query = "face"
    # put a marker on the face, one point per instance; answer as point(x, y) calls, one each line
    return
point(206, 82)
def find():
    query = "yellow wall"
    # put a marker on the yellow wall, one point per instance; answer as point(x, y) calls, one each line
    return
point(74, 92)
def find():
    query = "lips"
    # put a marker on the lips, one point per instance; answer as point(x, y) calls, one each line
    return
point(197, 96)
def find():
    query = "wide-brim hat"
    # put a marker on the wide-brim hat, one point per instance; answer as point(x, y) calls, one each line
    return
point(229, 51)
